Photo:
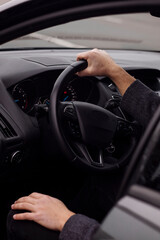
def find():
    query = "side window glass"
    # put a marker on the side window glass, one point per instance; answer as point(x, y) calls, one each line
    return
point(149, 172)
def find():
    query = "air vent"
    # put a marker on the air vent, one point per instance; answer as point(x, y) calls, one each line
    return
point(6, 129)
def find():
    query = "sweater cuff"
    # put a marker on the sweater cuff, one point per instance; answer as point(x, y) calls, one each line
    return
point(140, 102)
point(79, 227)
point(135, 89)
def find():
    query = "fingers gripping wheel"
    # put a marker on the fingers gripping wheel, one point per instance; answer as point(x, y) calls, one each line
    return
point(90, 128)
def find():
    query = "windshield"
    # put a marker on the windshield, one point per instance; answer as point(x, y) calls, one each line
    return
point(128, 31)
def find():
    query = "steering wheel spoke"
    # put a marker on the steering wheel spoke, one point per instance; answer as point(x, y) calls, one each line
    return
point(69, 116)
point(85, 153)
point(100, 158)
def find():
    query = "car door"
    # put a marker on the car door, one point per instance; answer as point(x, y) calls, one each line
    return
point(136, 215)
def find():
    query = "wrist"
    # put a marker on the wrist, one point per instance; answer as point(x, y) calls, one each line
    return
point(121, 78)
point(65, 219)
point(115, 72)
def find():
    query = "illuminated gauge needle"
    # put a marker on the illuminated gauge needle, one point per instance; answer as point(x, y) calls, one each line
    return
point(65, 98)
point(16, 100)
point(47, 102)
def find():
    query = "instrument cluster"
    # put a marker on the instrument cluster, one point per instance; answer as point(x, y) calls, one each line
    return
point(29, 92)
point(24, 95)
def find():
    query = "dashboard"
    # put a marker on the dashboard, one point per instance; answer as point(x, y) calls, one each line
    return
point(29, 76)
point(27, 79)
point(37, 90)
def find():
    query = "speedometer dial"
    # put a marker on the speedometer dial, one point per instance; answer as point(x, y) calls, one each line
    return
point(69, 94)
point(20, 97)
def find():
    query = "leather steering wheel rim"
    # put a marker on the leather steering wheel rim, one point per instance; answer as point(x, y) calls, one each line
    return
point(55, 119)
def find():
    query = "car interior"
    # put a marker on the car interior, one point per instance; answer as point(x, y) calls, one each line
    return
point(53, 138)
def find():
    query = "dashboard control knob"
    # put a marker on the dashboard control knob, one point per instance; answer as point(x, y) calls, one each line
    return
point(16, 157)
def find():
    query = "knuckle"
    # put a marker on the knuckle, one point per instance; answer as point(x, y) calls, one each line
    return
point(36, 216)
point(31, 217)
point(48, 197)
point(21, 205)
point(27, 216)
point(24, 198)
point(45, 197)
point(21, 199)
point(32, 194)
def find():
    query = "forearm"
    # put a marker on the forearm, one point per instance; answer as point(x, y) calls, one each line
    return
point(138, 100)
point(121, 79)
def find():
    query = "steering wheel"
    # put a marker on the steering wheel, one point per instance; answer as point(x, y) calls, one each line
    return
point(85, 131)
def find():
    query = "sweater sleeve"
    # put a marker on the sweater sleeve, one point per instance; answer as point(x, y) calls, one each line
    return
point(140, 102)
point(79, 227)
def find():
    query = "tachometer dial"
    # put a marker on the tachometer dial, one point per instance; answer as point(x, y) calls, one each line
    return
point(20, 97)
point(69, 94)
